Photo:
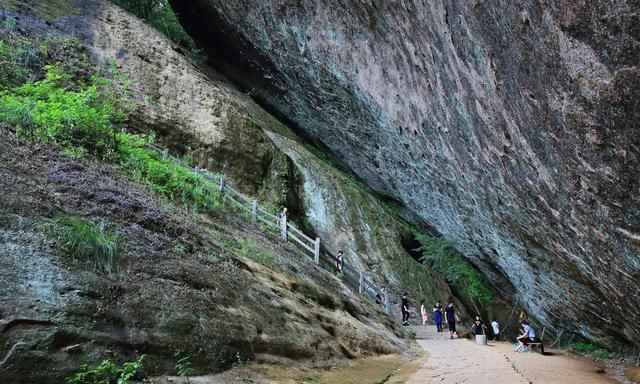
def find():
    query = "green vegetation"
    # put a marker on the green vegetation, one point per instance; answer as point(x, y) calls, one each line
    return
point(183, 367)
point(15, 61)
point(165, 176)
point(590, 349)
point(51, 111)
point(411, 334)
point(90, 243)
point(80, 118)
point(439, 255)
point(160, 15)
point(106, 373)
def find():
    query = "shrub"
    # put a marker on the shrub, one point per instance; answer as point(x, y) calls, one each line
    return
point(106, 373)
point(440, 255)
point(90, 243)
point(14, 60)
point(411, 334)
point(51, 112)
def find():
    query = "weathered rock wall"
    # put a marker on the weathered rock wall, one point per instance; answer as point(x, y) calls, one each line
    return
point(204, 116)
point(509, 126)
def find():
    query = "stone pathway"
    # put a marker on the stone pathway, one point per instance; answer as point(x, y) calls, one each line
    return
point(462, 361)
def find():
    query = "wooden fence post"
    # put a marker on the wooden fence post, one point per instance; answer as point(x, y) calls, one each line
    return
point(165, 153)
point(254, 210)
point(222, 185)
point(316, 251)
point(361, 283)
point(283, 229)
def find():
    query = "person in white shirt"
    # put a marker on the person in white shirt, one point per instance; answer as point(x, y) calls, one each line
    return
point(496, 330)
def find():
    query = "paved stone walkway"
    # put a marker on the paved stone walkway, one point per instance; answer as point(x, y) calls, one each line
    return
point(462, 361)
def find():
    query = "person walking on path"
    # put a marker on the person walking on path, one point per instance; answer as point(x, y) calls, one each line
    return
point(339, 257)
point(405, 309)
point(496, 330)
point(450, 313)
point(423, 312)
point(437, 315)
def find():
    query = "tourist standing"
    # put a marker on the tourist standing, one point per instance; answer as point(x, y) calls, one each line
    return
point(404, 303)
point(380, 300)
point(423, 312)
point(478, 327)
point(339, 257)
point(496, 329)
point(450, 313)
point(383, 300)
point(437, 315)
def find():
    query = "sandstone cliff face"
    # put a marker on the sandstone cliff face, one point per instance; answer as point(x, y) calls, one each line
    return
point(180, 286)
point(509, 126)
point(204, 116)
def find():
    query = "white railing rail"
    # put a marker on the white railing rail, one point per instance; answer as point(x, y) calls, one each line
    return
point(357, 280)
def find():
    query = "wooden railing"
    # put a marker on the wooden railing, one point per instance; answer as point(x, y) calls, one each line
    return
point(353, 278)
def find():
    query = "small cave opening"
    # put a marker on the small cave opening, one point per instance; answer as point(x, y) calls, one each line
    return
point(411, 245)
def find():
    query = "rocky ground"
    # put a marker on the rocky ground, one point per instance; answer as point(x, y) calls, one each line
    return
point(184, 282)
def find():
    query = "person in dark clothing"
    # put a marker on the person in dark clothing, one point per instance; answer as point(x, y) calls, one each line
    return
point(437, 315)
point(450, 314)
point(405, 309)
point(339, 257)
point(478, 327)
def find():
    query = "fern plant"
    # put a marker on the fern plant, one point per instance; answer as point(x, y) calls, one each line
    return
point(106, 372)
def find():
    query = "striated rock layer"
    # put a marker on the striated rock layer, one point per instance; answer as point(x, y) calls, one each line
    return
point(509, 126)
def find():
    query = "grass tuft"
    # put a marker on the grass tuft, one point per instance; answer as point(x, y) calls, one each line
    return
point(90, 243)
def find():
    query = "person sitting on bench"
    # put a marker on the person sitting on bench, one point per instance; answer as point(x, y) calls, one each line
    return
point(528, 336)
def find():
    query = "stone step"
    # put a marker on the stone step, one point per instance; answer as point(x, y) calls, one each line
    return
point(425, 331)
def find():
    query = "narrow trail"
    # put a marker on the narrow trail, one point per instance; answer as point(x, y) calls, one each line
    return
point(462, 361)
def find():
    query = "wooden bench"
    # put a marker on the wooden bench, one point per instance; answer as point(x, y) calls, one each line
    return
point(539, 345)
